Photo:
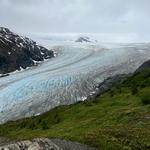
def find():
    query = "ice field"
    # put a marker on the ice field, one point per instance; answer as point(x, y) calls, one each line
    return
point(69, 77)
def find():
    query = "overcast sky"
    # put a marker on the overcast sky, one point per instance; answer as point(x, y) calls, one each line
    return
point(129, 18)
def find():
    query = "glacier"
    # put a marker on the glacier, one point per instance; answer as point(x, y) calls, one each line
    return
point(71, 76)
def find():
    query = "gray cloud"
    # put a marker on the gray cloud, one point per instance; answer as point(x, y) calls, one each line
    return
point(115, 17)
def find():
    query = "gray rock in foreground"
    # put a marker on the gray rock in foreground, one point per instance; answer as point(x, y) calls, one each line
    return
point(42, 144)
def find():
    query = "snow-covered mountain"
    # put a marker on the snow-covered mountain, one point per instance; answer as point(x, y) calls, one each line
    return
point(85, 39)
point(18, 52)
point(54, 39)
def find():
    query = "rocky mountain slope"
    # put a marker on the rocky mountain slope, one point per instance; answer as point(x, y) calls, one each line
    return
point(145, 65)
point(18, 52)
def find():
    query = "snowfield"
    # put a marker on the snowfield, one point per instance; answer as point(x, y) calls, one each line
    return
point(69, 77)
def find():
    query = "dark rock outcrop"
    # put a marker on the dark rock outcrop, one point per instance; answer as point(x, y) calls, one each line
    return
point(111, 81)
point(117, 79)
point(18, 52)
point(145, 65)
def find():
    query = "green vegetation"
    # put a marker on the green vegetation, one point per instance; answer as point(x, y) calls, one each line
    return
point(146, 99)
point(118, 119)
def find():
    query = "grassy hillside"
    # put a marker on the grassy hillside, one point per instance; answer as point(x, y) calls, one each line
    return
point(118, 119)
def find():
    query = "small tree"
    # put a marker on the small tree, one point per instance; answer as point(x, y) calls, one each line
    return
point(57, 118)
point(134, 90)
point(32, 126)
point(146, 99)
point(111, 93)
point(45, 125)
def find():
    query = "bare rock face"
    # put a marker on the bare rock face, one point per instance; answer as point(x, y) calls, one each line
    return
point(43, 144)
point(18, 52)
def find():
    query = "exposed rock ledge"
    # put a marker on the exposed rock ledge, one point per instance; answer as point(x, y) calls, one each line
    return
point(42, 144)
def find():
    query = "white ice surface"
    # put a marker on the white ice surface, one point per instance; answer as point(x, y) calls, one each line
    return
point(70, 77)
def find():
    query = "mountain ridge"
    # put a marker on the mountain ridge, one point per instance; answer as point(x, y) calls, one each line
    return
point(18, 52)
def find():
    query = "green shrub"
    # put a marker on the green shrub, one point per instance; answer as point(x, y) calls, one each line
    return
point(39, 120)
point(45, 125)
point(111, 93)
point(23, 124)
point(146, 99)
point(88, 103)
point(57, 118)
point(134, 90)
point(32, 126)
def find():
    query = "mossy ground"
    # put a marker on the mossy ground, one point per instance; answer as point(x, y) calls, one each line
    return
point(115, 120)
